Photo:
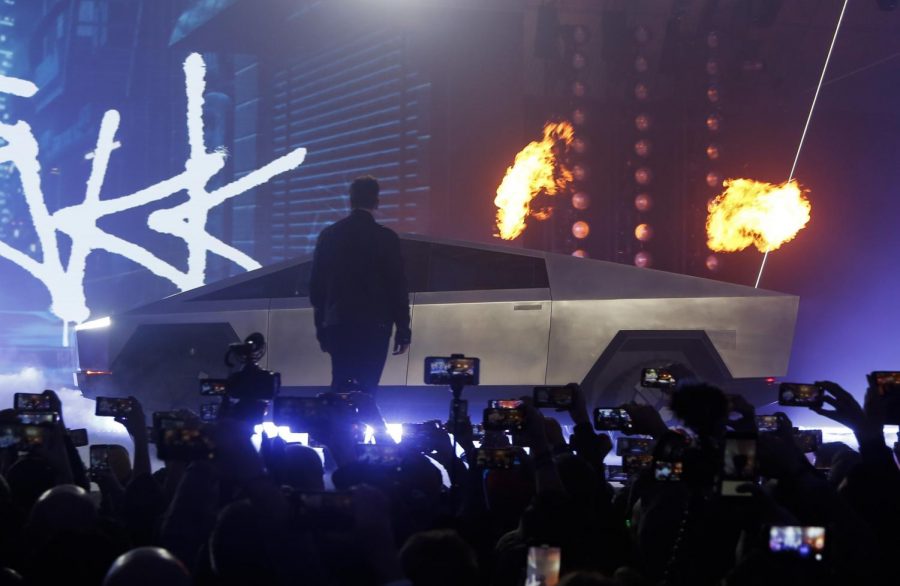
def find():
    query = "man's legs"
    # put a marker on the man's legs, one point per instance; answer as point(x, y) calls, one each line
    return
point(358, 352)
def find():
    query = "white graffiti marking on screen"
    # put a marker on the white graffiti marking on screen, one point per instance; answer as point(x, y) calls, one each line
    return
point(187, 221)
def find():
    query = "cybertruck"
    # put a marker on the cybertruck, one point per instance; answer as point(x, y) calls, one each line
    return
point(533, 318)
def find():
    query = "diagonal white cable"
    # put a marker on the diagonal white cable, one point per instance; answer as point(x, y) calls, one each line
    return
point(812, 108)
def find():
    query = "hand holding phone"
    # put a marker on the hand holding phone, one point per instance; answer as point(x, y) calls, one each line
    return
point(113, 406)
point(99, 454)
point(612, 419)
point(800, 395)
point(740, 463)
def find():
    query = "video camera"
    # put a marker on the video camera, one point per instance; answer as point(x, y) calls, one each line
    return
point(250, 386)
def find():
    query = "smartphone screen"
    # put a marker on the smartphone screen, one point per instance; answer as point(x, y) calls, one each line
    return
point(632, 464)
point(112, 406)
point(667, 471)
point(740, 463)
point(498, 458)
point(181, 439)
point(503, 419)
point(99, 459)
point(611, 419)
point(799, 395)
point(767, 423)
point(553, 397)
point(634, 446)
point(808, 440)
point(209, 411)
point(32, 402)
point(79, 437)
point(543, 566)
point(37, 417)
point(213, 387)
point(504, 403)
point(447, 370)
point(657, 378)
point(805, 542)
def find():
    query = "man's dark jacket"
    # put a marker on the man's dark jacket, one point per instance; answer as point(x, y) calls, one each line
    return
point(357, 277)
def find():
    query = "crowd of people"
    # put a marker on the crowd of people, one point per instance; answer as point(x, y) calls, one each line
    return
point(283, 515)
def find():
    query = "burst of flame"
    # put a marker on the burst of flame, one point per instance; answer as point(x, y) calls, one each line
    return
point(755, 213)
point(536, 169)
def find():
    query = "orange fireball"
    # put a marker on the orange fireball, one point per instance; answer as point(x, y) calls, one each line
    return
point(755, 213)
point(536, 169)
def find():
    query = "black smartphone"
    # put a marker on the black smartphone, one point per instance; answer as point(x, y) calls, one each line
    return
point(765, 423)
point(37, 417)
point(32, 402)
point(887, 386)
point(667, 471)
point(299, 413)
point(322, 511)
point(379, 454)
point(799, 395)
point(213, 387)
point(740, 463)
point(633, 464)
point(612, 419)
point(498, 458)
point(209, 411)
point(657, 378)
point(804, 542)
point(808, 440)
point(182, 439)
point(558, 397)
point(113, 406)
point(79, 437)
point(635, 446)
point(99, 460)
point(452, 369)
point(503, 419)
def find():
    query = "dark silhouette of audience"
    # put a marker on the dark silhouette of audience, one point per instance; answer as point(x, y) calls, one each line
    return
point(277, 515)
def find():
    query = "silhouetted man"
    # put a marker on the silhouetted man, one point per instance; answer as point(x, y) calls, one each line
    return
point(358, 291)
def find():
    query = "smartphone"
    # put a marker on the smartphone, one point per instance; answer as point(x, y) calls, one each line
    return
point(322, 511)
point(799, 395)
point(298, 413)
point(805, 542)
point(452, 369)
point(112, 406)
point(22, 437)
point(32, 402)
point(79, 437)
point(213, 387)
point(99, 460)
point(765, 423)
point(657, 378)
point(37, 417)
point(808, 440)
point(740, 463)
point(635, 446)
point(559, 397)
point(504, 404)
point(616, 474)
point(503, 419)
point(379, 454)
point(209, 411)
point(612, 419)
point(182, 439)
point(543, 566)
point(667, 471)
point(498, 458)
point(887, 386)
point(632, 464)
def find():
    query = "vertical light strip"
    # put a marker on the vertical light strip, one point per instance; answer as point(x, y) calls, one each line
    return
point(808, 119)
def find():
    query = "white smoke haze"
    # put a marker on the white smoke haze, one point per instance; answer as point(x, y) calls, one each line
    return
point(78, 411)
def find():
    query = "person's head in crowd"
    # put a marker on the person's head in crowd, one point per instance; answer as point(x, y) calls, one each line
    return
point(147, 566)
point(364, 193)
point(702, 407)
point(62, 509)
point(301, 468)
point(29, 478)
point(238, 553)
point(439, 558)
